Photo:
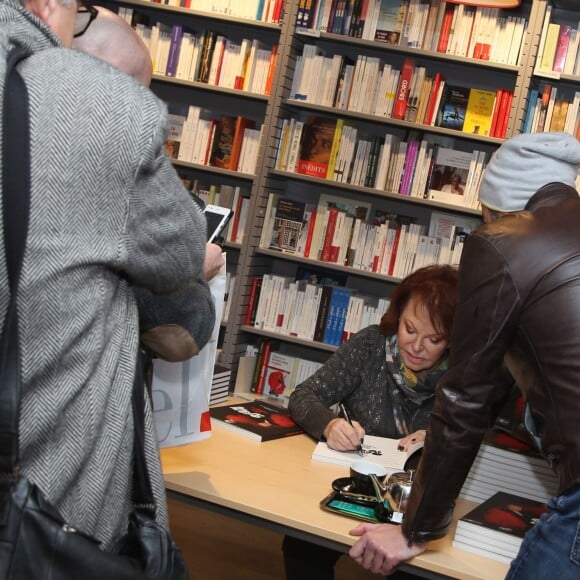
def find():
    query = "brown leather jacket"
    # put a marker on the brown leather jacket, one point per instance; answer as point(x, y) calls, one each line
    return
point(519, 303)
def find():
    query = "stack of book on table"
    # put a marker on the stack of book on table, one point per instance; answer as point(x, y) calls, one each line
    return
point(496, 528)
point(220, 385)
point(506, 464)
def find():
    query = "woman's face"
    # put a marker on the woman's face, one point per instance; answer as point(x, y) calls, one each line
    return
point(421, 346)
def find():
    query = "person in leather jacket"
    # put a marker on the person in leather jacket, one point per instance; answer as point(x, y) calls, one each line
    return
point(518, 306)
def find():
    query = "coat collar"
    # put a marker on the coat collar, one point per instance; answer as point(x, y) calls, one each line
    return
point(551, 194)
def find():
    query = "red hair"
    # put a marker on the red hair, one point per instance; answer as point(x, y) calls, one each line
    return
point(435, 287)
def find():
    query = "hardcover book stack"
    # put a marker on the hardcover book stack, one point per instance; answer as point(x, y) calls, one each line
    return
point(506, 464)
point(496, 528)
point(220, 385)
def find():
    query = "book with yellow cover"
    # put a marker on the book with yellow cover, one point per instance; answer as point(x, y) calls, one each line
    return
point(479, 112)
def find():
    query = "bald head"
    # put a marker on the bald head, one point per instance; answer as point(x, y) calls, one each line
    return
point(111, 39)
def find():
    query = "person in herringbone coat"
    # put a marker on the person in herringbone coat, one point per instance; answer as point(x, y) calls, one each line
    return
point(108, 212)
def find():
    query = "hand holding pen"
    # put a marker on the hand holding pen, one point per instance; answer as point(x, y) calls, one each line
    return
point(346, 415)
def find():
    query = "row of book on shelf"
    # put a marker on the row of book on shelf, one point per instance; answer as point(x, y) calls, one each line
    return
point(340, 231)
point(324, 313)
point(260, 10)
point(552, 108)
point(210, 57)
point(333, 149)
point(558, 48)
point(228, 141)
point(369, 85)
point(446, 27)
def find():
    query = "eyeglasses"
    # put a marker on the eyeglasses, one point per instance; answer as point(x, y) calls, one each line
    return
point(85, 15)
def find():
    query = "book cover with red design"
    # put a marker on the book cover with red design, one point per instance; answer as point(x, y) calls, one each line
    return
point(316, 146)
point(259, 420)
point(402, 96)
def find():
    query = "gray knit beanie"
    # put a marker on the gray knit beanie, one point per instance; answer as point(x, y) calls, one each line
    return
point(525, 163)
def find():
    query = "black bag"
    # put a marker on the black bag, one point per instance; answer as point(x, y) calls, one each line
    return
point(35, 541)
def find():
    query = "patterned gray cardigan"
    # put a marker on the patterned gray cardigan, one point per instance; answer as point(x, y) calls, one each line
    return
point(107, 211)
point(357, 375)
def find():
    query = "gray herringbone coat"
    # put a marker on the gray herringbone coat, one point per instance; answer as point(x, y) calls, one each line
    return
point(107, 211)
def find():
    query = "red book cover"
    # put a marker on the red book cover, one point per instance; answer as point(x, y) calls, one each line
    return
point(394, 252)
point(504, 113)
point(445, 28)
point(311, 225)
point(262, 375)
point(505, 513)
point(402, 96)
point(277, 12)
point(330, 227)
point(259, 420)
point(493, 127)
point(562, 48)
point(253, 301)
point(485, 51)
point(433, 98)
point(315, 146)
point(218, 72)
point(236, 219)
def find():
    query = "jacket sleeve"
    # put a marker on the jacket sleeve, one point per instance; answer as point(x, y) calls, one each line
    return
point(340, 375)
point(165, 232)
point(165, 249)
point(468, 394)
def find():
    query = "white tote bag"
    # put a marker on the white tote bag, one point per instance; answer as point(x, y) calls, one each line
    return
point(181, 391)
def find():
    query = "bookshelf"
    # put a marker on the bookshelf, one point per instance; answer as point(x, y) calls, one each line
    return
point(249, 259)
point(554, 92)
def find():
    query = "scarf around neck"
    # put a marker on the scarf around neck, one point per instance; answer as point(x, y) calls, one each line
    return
point(410, 393)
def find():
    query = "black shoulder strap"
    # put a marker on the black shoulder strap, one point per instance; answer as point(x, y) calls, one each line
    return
point(15, 205)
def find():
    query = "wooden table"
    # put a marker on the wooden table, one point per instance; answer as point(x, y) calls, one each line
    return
point(277, 485)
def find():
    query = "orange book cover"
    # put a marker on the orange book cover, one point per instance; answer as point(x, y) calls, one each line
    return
point(271, 70)
point(545, 99)
point(241, 125)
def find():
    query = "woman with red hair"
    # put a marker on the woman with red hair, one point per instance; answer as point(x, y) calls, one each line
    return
point(386, 377)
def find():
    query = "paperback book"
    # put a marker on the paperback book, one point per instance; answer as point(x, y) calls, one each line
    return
point(449, 176)
point(453, 107)
point(380, 450)
point(258, 420)
point(316, 146)
point(287, 225)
